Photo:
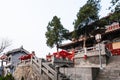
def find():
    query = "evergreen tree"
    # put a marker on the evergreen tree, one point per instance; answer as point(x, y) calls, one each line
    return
point(55, 32)
point(87, 14)
point(115, 7)
point(115, 10)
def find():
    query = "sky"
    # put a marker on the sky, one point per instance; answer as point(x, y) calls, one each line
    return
point(24, 22)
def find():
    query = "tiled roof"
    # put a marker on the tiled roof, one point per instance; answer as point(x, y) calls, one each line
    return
point(17, 50)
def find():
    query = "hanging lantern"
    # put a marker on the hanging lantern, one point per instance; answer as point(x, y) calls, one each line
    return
point(98, 37)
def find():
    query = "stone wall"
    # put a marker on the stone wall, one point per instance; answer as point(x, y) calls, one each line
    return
point(95, 72)
point(27, 72)
point(77, 73)
point(92, 61)
point(92, 57)
point(111, 71)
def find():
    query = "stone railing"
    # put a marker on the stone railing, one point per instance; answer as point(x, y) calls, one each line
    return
point(41, 67)
point(91, 51)
point(94, 57)
point(44, 67)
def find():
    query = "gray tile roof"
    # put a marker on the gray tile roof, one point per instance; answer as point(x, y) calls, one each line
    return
point(17, 50)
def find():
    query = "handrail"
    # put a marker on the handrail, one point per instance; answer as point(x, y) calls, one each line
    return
point(40, 67)
point(45, 68)
point(37, 70)
point(49, 69)
point(91, 49)
point(50, 75)
point(37, 64)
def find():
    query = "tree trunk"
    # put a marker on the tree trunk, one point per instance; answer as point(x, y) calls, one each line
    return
point(57, 47)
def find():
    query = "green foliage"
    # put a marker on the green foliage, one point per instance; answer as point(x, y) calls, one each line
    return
point(114, 2)
point(112, 17)
point(7, 77)
point(115, 9)
point(2, 78)
point(115, 5)
point(55, 32)
point(115, 17)
point(87, 14)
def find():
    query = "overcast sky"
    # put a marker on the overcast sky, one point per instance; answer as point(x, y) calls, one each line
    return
point(24, 21)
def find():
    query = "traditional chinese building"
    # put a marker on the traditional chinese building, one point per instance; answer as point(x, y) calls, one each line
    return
point(89, 55)
point(13, 59)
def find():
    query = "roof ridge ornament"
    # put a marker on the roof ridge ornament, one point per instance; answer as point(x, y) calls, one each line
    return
point(21, 47)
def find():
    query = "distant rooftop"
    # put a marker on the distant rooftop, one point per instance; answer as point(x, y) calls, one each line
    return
point(17, 50)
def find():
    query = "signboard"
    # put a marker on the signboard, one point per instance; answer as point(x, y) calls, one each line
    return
point(116, 45)
point(112, 27)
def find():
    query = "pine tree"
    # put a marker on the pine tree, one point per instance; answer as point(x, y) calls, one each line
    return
point(55, 32)
point(87, 14)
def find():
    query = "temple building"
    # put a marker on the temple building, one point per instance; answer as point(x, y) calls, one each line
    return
point(11, 58)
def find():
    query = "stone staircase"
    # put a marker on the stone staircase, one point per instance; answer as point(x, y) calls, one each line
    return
point(111, 71)
point(47, 70)
point(44, 69)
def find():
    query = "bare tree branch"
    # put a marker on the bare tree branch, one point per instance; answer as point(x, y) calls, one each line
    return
point(4, 44)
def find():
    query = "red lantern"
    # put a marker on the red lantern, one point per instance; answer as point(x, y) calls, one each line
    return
point(85, 57)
